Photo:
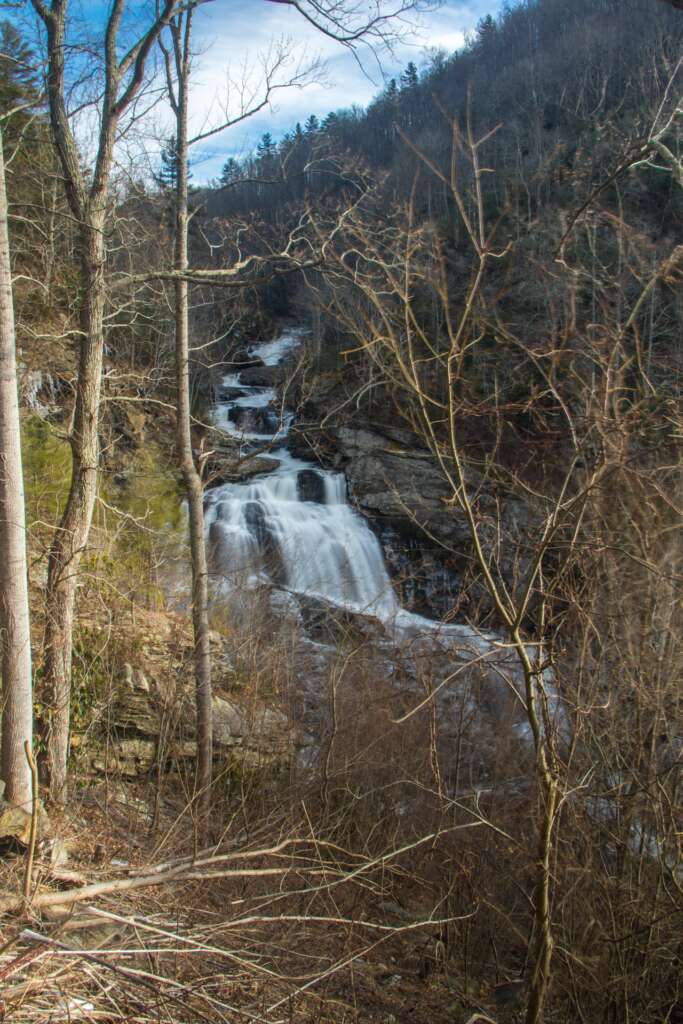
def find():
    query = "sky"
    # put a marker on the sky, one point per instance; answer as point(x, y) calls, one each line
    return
point(232, 34)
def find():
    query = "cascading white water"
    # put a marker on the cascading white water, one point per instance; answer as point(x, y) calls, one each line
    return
point(292, 526)
point(321, 548)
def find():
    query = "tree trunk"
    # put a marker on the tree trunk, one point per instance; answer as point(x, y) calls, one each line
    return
point(191, 477)
point(87, 197)
point(15, 635)
point(72, 534)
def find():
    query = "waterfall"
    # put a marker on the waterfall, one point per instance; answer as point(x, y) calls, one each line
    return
point(317, 547)
point(294, 526)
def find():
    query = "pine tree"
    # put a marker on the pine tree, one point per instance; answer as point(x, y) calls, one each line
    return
point(266, 154)
point(312, 125)
point(266, 146)
point(17, 74)
point(231, 171)
point(487, 34)
point(409, 78)
point(167, 175)
point(331, 123)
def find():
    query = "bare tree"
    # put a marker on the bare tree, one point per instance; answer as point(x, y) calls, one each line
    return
point(276, 75)
point(15, 631)
point(393, 268)
point(89, 199)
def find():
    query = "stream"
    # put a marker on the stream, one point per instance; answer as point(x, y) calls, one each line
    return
point(294, 527)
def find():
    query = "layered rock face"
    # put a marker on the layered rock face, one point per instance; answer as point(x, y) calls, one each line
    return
point(405, 495)
point(152, 723)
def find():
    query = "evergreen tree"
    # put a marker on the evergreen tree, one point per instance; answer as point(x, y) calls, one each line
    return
point(18, 87)
point(167, 175)
point(331, 123)
point(266, 146)
point(487, 34)
point(312, 125)
point(409, 78)
point(17, 74)
point(266, 152)
point(231, 171)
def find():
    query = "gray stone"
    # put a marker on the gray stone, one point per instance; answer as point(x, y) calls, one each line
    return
point(262, 376)
point(128, 757)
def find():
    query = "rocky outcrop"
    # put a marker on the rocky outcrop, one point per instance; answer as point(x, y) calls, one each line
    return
point(262, 376)
point(391, 476)
point(396, 482)
point(151, 724)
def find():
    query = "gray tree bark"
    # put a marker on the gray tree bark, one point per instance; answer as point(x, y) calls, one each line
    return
point(15, 633)
point(181, 30)
point(88, 201)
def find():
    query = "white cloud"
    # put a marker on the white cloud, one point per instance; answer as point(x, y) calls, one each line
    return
point(231, 36)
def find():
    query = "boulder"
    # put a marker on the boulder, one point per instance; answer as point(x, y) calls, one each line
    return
point(224, 467)
point(15, 823)
point(242, 358)
point(261, 376)
point(310, 486)
point(327, 624)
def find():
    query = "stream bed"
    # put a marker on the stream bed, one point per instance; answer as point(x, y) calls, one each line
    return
point(294, 531)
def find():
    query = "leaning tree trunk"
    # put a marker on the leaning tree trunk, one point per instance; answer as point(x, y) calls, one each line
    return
point(15, 635)
point(72, 534)
point(191, 477)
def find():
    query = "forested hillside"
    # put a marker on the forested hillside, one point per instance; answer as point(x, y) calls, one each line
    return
point(347, 681)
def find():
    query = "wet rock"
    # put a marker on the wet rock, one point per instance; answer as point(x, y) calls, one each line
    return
point(310, 486)
point(262, 376)
point(397, 483)
point(225, 467)
point(326, 623)
point(230, 394)
point(256, 466)
point(426, 579)
point(267, 541)
point(242, 358)
point(254, 420)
